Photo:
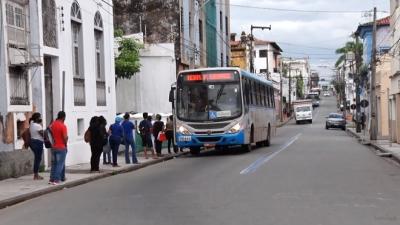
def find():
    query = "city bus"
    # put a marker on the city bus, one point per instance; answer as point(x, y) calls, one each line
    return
point(222, 107)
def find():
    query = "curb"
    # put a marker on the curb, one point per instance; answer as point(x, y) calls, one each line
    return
point(284, 123)
point(395, 157)
point(24, 197)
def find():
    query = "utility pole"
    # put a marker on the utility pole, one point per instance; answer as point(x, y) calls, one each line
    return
point(358, 82)
point(281, 92)
point(290, 87)
point(373, 128)
point(251, 44)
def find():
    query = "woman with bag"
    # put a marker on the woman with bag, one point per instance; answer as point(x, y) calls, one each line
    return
point(116, 133)
point(36, 143)
point(158, 133)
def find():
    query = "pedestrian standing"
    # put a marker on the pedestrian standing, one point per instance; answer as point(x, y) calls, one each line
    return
point(128, 139)
point(158, 127)
point(145, 134)
point(116, 133)
point(98, 138)
point(36, 142)
point(59, 149)
point(169, 133)
point(106, 154)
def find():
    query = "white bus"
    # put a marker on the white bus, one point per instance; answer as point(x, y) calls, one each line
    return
point(222, 107)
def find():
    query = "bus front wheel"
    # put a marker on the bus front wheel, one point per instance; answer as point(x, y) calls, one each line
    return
point(195, 150)
point(267, 142)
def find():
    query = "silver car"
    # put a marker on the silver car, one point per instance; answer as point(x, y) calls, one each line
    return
point(335, 120)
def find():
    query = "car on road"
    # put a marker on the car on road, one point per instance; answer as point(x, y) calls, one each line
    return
point(315, 103)
point(326, 94)
point(335, 120)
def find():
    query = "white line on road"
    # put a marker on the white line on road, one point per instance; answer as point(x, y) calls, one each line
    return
point(267, 157)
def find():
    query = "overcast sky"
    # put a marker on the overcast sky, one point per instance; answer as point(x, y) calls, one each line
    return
point(301, 34)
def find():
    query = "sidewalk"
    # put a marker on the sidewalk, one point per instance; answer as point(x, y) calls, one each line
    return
point(390, 149)
point(15, 190)
point(283, 123)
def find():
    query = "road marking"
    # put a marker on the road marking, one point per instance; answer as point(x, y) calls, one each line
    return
point(267, 157)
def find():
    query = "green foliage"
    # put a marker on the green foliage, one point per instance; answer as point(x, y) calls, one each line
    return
point(299, 86)
point(127, 63)
point(338, 85)
point(349, 47)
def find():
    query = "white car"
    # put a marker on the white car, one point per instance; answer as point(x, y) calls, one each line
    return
point(326, 94)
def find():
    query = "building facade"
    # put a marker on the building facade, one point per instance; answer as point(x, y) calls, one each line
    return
point(394, 97)
point(199, 29)
point(55, 55)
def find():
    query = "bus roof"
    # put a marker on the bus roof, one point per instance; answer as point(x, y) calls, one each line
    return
point(243, 73)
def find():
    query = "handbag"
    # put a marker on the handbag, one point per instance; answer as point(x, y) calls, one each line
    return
point(48, 138)
point(107, 148)
point(87, 136)
point(161, 136)
point(26, 137)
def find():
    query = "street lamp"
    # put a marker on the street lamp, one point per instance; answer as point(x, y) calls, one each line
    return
point(251, 44)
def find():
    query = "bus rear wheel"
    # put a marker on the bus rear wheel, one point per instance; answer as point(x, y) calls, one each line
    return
point(195, 150)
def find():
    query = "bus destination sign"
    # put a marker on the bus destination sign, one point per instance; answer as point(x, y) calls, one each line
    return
point(206, 77)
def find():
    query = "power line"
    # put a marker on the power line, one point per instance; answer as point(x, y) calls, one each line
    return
point(305, 46)
point(302, 10)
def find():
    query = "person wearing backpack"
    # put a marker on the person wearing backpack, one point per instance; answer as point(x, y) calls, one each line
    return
point(59, 149)
point(36, 142)
point(116, 133)
point(145, 134)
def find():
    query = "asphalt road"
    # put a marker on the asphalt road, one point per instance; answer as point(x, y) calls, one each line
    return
point(309, 176)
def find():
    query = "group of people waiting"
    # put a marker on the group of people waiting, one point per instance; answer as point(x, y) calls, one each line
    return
point(101, 140)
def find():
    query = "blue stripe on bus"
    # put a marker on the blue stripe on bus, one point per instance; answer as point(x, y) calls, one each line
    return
point(220, 139)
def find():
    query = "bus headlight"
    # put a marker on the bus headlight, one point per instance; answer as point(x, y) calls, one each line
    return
point(235, 129)
point(183, 130)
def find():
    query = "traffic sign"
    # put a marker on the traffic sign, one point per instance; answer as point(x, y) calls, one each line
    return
point(353, 106)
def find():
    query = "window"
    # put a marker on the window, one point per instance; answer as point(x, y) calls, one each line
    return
point(268, 97)
point(221, 26)
point(182, 25)
point(99, 55)
point(80, 127)
point(226, 26)
point(246, 91)
point(190, 25)
point(263, 53)
point(263, 71)
point(200, 30)
point(15, 15)
point(15, 18)
point(251, 91)
point(227, 61)
point(49, 24)
point(77, 55)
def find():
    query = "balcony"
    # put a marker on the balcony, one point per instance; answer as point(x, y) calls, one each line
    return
point(101, 93)
point(79, 92)
point(19, 86)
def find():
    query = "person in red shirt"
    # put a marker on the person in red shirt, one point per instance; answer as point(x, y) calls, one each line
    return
point(59, 149)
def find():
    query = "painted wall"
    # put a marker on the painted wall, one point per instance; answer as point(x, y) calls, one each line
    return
point(149, 89)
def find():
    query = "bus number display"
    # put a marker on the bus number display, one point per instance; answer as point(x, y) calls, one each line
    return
point(209, 77)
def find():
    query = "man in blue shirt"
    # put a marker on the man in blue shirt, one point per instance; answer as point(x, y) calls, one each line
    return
point(129, 141)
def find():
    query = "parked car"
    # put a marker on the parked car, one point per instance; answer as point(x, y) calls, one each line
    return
point(335, 120)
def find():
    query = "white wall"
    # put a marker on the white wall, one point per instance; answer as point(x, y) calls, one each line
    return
point(78, 150)
point(148, 90)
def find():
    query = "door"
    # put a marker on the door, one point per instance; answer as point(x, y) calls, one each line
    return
point(48, 80)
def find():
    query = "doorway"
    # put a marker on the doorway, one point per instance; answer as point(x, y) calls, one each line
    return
point(48, 82)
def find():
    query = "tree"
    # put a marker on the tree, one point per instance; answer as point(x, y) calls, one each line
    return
point(299, 86)
point(349, 47)
point(127, 62)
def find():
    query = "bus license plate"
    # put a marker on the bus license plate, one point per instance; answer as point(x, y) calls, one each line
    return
point(185, 138)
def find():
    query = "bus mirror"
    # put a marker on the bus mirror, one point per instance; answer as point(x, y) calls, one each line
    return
point(171, 95)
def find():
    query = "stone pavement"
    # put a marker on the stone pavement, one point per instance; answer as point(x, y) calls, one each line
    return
point(15, 190)
point(389, 149)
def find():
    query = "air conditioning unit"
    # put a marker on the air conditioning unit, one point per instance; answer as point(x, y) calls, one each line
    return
point(17, 57)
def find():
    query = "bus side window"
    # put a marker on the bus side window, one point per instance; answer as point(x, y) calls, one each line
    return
point(271, 95)
point(262, 95)
point(246, 92)
point(265, 96)
point(251, 92)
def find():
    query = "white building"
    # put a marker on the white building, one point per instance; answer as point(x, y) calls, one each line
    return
point(148, 90)
point(55, 54)
point(267, 58)
point(299, 68)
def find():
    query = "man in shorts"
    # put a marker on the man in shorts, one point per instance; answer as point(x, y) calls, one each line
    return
point(145, 134)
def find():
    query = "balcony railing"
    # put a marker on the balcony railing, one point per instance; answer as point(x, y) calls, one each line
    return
point(19, 87)
point(79, 92)
point(101, 93)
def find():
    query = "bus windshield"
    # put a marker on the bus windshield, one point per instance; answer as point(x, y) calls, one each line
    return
point(208, 101)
